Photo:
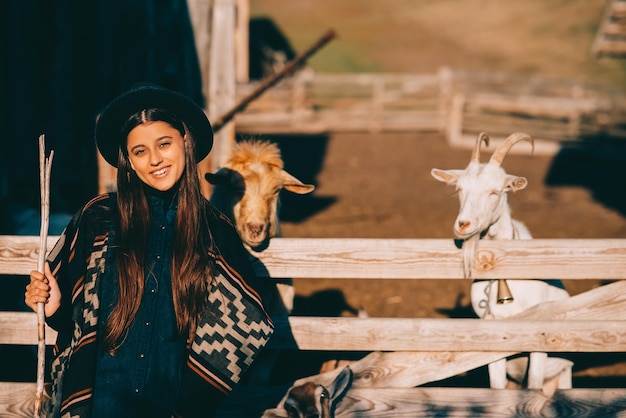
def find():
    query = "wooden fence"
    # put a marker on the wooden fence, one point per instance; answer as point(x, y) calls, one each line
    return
point(610, 40)
point(457, 103)
point(427, 350)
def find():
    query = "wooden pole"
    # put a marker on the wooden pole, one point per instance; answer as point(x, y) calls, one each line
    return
point(45, 165)
point(222, 82)
point(242, 43)
point(289, 68)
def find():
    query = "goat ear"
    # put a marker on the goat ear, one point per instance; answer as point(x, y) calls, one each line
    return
point(219, 178)
point(292, 184)
point(446, 176)
point(340, 386)
point(514, 183)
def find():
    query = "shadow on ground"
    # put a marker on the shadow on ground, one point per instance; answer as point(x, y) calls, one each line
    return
point(597, 164)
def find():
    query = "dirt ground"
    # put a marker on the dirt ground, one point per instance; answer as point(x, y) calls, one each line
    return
point(379, 186)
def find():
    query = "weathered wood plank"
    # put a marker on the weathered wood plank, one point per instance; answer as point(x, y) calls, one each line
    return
point(467, 402)
point(553, 107)
point(449, 402)
point(404, 334)
point(21, 328)
point(611, 48)
point(404, 369)
point(19, 254)
point(17, 400)
point(614, 29)
point(440, 258)
point(372, 258)
point(408, 334)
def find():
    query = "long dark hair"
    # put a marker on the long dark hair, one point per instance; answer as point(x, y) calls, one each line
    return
point(191, 270)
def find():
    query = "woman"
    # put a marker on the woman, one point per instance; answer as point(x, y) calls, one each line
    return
point(151, 291)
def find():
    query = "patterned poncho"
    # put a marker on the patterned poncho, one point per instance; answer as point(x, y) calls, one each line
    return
point(230, 335)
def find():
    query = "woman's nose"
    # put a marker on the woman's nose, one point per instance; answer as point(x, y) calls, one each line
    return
point(156, 158)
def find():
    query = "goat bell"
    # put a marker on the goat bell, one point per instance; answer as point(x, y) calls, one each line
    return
point(504, 293)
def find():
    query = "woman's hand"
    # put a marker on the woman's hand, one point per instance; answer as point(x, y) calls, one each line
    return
point(45, 289)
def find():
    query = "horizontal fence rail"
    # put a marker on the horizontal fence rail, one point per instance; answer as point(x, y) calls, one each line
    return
point(405, 334)
point(373, 258)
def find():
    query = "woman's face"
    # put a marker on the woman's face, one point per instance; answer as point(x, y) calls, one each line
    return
point(157, 154)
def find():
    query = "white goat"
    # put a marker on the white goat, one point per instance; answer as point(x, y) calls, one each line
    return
point(485, 214)
point(313, 400)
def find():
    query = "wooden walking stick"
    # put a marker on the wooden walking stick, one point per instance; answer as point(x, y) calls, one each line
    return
point(45, 165)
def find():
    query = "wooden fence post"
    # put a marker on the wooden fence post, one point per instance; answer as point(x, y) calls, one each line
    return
point(214, 28)
point(222, 84)
point(200, 16)
point(242, 41)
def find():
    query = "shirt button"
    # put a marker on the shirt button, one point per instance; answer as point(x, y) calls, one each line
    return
point(158, 256)
point(136, 390)
point(147, 324)
point(162, 227)
point(142, 355)
point(153, 291)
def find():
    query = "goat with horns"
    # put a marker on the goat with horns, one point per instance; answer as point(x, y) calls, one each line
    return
point(485, 214)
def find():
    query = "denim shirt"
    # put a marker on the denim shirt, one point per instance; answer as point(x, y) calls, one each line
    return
point(143, 378)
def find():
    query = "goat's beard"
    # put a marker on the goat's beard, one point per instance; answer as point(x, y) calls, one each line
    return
point(470, 247)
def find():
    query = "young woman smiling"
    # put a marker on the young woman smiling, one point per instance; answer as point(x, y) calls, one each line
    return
point(157, 307)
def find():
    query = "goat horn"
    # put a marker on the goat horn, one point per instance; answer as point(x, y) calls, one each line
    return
point(502, 150)
point(482, 137)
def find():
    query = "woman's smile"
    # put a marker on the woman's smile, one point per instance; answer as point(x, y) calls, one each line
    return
point(161, 172)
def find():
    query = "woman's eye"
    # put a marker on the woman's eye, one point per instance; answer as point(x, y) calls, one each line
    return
point(139, 152)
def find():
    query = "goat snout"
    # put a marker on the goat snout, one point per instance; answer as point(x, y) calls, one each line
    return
point(255, 230)
point(463, 225)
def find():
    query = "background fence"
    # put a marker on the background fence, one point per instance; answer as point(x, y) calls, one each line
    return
point(451, 102)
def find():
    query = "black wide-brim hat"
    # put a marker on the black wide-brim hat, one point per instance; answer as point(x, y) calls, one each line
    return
point(111, 121)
